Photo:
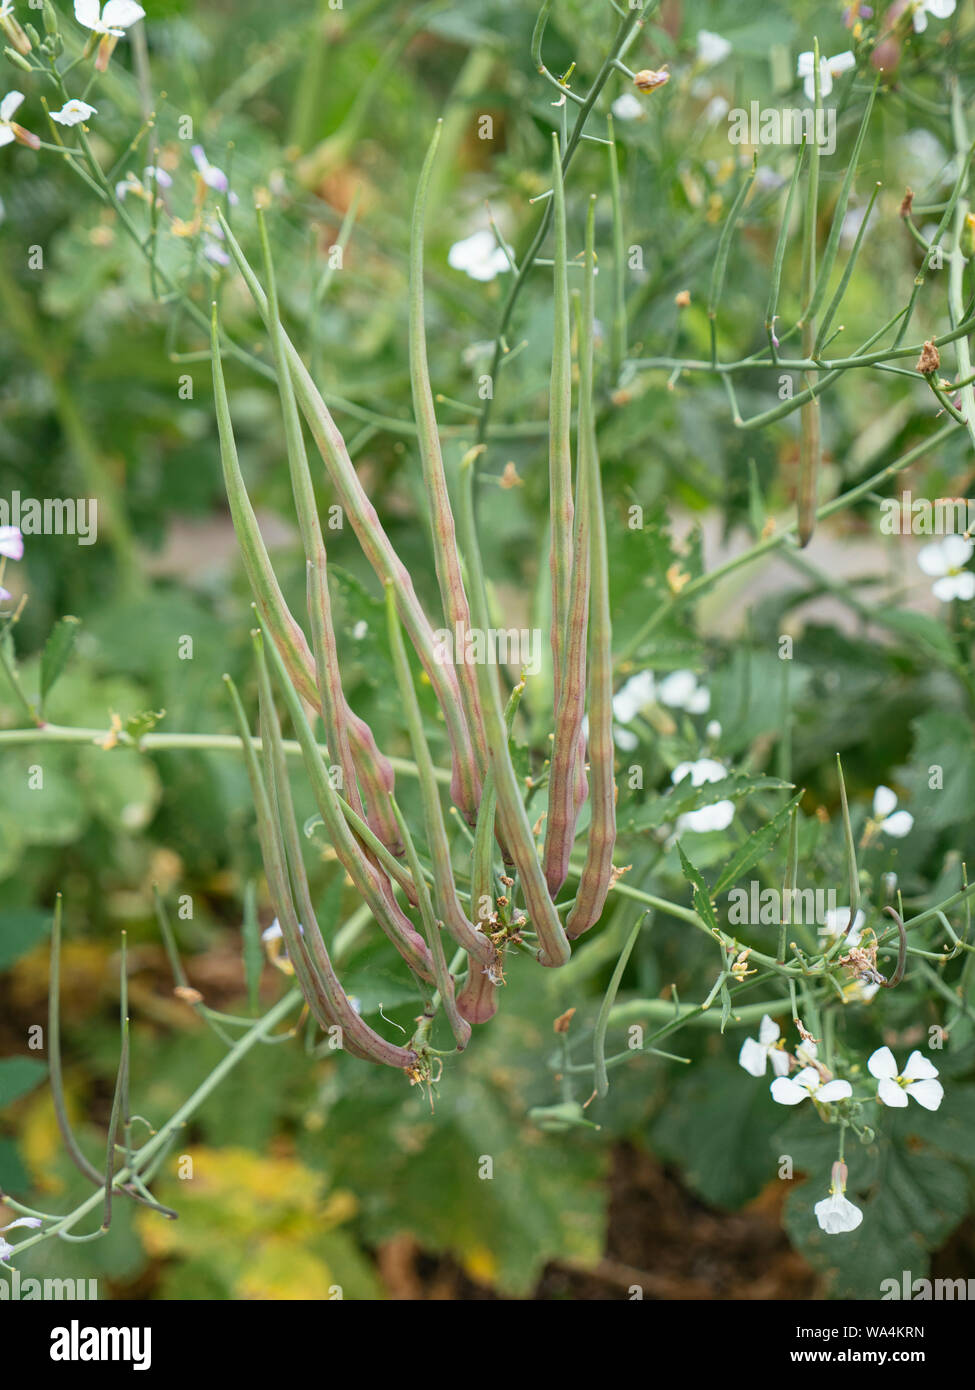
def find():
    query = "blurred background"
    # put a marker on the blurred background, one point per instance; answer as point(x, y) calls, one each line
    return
point(313, 1172)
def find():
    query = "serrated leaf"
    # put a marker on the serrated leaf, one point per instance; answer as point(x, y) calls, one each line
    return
point(703, 905)
point(756, 846)
point(57, 649)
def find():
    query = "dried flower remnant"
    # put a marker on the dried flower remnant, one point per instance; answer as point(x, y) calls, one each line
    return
point(648, 80)
point(930, 359)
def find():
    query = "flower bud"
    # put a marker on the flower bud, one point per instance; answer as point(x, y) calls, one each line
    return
point(838, 1177)
point(50, 18)
point(647, 80)
point(16, 36)
point(17, 60)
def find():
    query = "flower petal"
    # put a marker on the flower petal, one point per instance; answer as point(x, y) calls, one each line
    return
point(11, 102)
point(780, 1060)
point(884, 801)
point(11, 543)
point(919, 1068)
point(891, 1094)
point(753, 1057)
point(786, 1092)
point(834, 1090)
point(836, 1214)
point(86, 13)
point(927, 1093)
point(901, 823)
point(882, 1063)
point(931, 559)
point(768, 1030)
point(122, 13)
point(957, 551)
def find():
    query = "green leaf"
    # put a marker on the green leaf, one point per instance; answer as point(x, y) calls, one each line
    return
point(18, 1075)
point(57, 649)
point(756, 846)
point(702, 897)
point(121, 786)
point(41, 794)
point(21, 929)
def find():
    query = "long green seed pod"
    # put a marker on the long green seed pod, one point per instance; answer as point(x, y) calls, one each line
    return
point(354, 1028)
point(478, 1000)
point(288, 635)
point(459, 1025)
point(370, 885)
point(276, 869)
point(560, 434)
point(597, 874)
point(565, 778)
point(449, 575)
point(448, 904)
point(810, 443)
point(378, 550)
point(331, 699)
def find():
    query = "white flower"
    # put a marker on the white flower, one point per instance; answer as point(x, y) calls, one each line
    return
point(792, 1090)
point(713, 730)
point(941, 9)
point(8, 106)
point(768, 1048)
point(6, 1249)
point(479, 255)
point(828, 69)
point(634, 696)
point(859, 991)
point(716, 817)
point(711, 48)
point(837, 1214)
point(680, 690)
point(73, 112)
point(628, 107)
point(360, 629)
point(917, 1080)
point(11, 543)
point(891, 822)
point(945, 561)
point(115, 18)
point(838, 922)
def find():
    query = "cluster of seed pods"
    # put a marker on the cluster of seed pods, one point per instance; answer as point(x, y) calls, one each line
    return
point(368, 832)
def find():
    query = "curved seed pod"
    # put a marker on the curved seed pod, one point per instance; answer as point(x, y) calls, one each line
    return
point(478, 1000)
point(449, 576)
point(567, 780)
point(393, 921)
point(276, 868)
point(377, 548)
point(597, 873)
point(459, 1026)
point(335, 712)
point(448, 903)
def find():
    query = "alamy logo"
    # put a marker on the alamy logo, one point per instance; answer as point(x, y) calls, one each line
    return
point(52, 516)
point(493, 646)
point(76, 1343)
point(20, 1290)
point(789, 125)
point(918, 516)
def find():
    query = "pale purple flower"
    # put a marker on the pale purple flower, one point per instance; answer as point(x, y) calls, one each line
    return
point(212, 176)
point(6, 1249)
point(11, 543)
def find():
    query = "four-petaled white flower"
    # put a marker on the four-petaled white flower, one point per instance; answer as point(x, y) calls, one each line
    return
point(890, 821)
point(478, 255)
point(113, 20)
point(941, 9)
point(791, 1090)
point(716, 817)
point(769, 1047)
point(916, 1080)
point(680, 690)
point(6, 1249)
point(711, 48)
point(945, 562)
point(73, 112)
point(632, 699)
point(828, 69)
point(8, 106)
point(836, 1214)
point(837, 923)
